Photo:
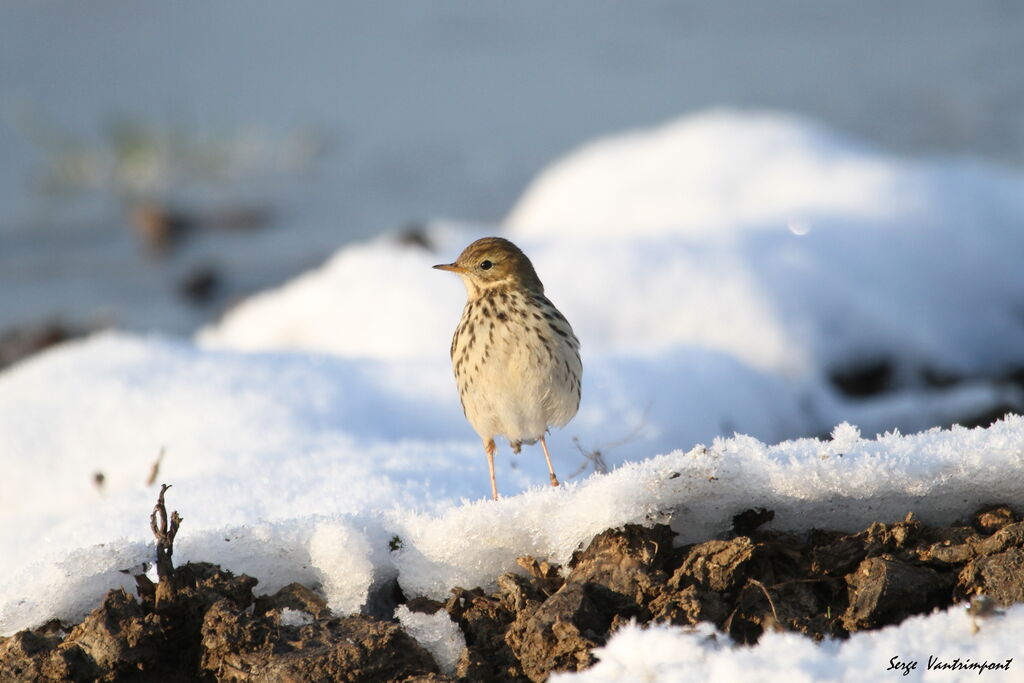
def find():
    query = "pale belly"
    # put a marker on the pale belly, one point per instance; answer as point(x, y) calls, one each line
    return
point(517, 379)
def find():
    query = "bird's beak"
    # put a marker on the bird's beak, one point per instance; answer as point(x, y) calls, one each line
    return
point(450, 266)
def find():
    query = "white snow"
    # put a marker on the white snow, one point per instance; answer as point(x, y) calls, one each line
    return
point(295, 617)
point(315, 435)
point(437, 633)
point(761, 235)
point(712, 174)
point(951, 642)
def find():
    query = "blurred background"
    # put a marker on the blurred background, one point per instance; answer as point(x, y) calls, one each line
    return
point(159, 161)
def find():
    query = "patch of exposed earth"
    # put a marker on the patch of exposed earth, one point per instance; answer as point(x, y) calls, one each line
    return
point(204, 623)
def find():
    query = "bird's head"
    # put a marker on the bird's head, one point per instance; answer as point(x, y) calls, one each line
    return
point(494, 263)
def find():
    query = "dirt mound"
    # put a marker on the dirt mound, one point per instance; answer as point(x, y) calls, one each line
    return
point(207, 625)
point(824, 584)
point(213, 628)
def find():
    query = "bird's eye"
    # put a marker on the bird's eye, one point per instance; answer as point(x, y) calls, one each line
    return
point(485, 265)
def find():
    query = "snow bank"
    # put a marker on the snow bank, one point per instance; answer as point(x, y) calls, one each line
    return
point(378, 299)
point(345, 474)
point(760, 235)
point(845, 484)
point(284, 463)
point(249, 422)
point(665, 654)
point(718, 172)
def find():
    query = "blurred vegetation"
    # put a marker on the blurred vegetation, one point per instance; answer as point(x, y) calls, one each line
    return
point(135, 158)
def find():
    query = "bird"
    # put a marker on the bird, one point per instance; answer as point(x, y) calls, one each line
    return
point(515, 356)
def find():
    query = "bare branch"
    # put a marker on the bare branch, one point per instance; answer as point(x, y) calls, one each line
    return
point(594, 457)
point(164, 534)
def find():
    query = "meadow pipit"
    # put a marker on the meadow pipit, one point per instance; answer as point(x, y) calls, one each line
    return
point(516, 359)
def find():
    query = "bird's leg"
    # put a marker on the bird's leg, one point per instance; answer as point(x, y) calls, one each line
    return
point(490, 448)
point(551, 470)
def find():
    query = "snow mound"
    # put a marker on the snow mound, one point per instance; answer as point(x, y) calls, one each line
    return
point(844, 254)
point(378, 299)
point(711, 174)
point(293, 467)
point(719, 173)
point(955, 646)
point(283, 463)
point(762, 236)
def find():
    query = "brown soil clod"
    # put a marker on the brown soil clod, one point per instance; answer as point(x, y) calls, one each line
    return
point(845, 553)
point(746, 522)
point(559, 634)
point(885, 591)
point(484, 620)
point(296, 597)
point(997, 576)
point(992, 518)
point(626, 566)
point(240, 646)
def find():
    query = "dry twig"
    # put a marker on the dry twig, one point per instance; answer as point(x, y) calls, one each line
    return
point(596, 458)
point(165, 534)
point(154, 471)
